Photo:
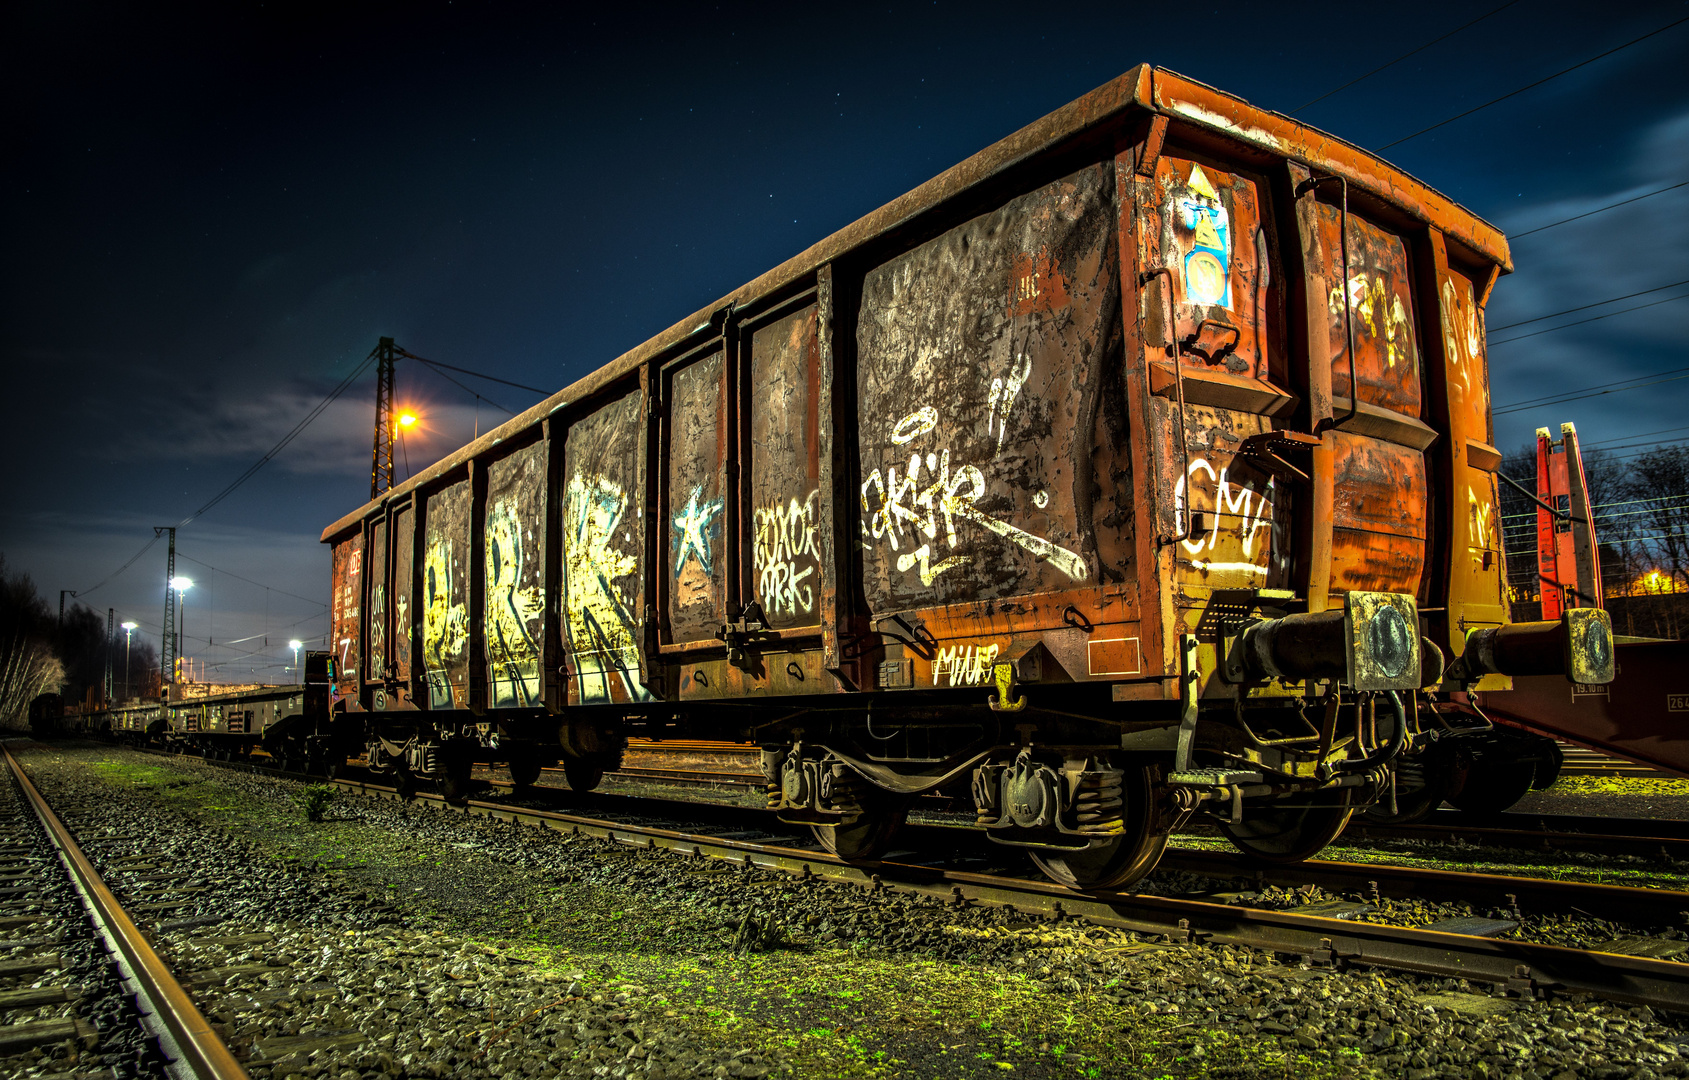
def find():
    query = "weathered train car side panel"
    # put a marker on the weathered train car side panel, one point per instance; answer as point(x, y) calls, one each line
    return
point(345, 615)
point(515, 578)
point(987, 360)
point(375, 627)
point(696, 553)
point(785, 512)
point(603, 487)
point(399, 592)
point(445, 597)
point(1473, 570)
point(1213, 298)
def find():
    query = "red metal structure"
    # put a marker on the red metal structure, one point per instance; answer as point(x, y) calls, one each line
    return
point(1643, 713)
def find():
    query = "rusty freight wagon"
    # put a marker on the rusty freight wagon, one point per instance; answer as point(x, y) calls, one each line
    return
point(1137, 467)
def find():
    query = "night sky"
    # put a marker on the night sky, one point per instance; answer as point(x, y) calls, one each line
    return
point(211, 215)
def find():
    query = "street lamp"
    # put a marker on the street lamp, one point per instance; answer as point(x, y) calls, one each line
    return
point(294, 645)
point(181, 585)
point(128, 633)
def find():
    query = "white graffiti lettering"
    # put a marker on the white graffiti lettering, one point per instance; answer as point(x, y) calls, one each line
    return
point(890, 504)
point(915, 425)
point(966, 665)
point(1253, 511)
point(785, 536)
point(1002, 399)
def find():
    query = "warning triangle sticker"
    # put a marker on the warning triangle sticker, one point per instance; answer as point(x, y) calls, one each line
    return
point(1199, 183)
point(1205, 234)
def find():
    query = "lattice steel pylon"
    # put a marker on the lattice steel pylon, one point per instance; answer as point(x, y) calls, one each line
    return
point(386, 428)
point(167, 662)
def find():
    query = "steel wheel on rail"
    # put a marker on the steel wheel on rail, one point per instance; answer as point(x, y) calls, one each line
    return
point(524, 765)
point(870, 836)
point(583, 774)
point(1294, 830)
point(1493, 786)
point(1124, 859)
point(1423, 782)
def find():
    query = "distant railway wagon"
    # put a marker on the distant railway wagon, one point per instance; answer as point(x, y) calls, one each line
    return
point(1136, 467)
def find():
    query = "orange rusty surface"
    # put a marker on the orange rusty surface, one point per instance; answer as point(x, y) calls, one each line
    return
point(1380, 313)
point(1378, 515)
point(1030, 488)
point(346, 592)
point(1143, 92)
point(1191, 101)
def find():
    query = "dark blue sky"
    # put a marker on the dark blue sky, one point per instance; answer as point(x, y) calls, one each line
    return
point(211, 215)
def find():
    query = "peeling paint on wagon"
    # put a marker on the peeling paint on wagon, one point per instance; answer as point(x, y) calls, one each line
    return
point(514, 605)
point(376, 625)
point(978, 402)
point(697, 560)
point(603, 540)
point(404, 609)
point(345, 622)
point(445, 598)
point(783, 393)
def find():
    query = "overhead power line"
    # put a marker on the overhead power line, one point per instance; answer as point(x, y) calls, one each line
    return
point(1598, 210)
point(1592, 318)
point(1534, 85)
point(1580, 397)
point(1597, 386)
point(249, 581)
point(465, 371)
point(1404, 56)
point(472, 393)
point(146, 547)
point(1586, 307)
point(252, 470)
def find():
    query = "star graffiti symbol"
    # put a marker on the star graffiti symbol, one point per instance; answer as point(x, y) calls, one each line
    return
point(693, 525)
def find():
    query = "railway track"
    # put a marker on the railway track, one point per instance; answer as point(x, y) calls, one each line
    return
point(1639, 967)
point(1325, 933)
point(36, 847)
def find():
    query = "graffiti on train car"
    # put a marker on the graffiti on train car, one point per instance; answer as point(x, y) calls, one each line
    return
point(1229, 501)
point(786, 538)
point(512, 610)
point(892, 503)
point(445, 625)
point(350, 580)
point(1463, 339)
point(602, 636)
point(1378, 312)
point(698, 529)
point(1480, 527)
point(964, 665)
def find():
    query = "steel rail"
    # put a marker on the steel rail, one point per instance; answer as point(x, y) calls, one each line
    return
point(180, 1026)
point(1620, 903)
point(1524, 968)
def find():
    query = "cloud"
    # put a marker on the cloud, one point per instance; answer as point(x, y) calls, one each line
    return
point(1625, 250)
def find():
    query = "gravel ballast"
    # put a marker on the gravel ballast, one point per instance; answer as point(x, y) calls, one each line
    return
point(394, 941)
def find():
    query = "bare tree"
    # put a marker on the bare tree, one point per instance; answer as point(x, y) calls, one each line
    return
point(28, 665)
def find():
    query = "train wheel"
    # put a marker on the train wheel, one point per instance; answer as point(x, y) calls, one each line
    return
point(583, 774)
point(1126, 858)
point(458, 764)
point(1294, 831)
point(1423, 783)
point(1494, 786)
point(868, 838)
point(524, 766)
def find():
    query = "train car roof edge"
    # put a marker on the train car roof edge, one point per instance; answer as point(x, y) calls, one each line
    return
point(1152, 90)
